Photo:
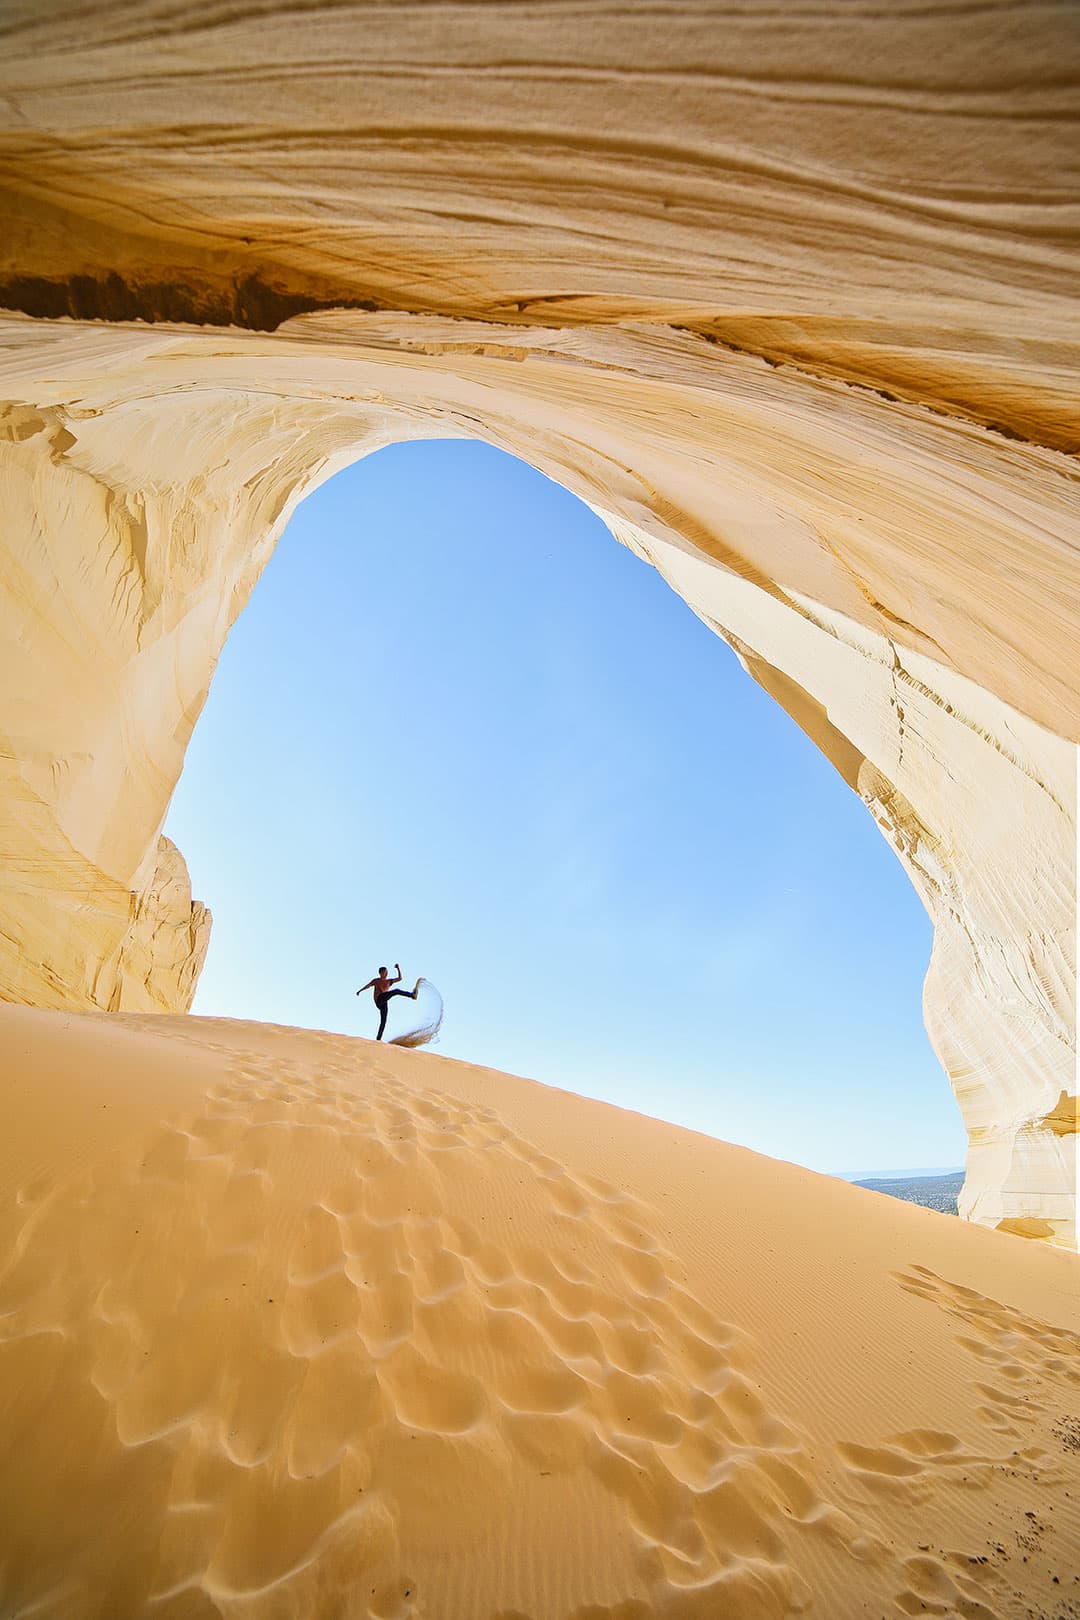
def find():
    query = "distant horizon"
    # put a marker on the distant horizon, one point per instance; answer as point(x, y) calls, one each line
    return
point(905, 1174)
point(460, 726)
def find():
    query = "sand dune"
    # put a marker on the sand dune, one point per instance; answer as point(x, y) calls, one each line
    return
point(292, 1324)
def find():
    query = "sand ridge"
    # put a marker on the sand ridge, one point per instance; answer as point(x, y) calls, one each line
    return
point(337, 1332)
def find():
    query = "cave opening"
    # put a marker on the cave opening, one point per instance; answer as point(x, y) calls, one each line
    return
point(459, 726)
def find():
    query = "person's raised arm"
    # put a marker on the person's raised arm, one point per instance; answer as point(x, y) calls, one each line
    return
point(364, 987)
point(398, 979)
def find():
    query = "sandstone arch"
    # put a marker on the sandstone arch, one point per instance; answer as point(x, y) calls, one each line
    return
point(793, 323)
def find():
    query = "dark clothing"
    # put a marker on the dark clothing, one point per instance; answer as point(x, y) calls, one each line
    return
point(383, 1004)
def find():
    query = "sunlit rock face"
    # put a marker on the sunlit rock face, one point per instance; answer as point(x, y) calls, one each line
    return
point(788, 302)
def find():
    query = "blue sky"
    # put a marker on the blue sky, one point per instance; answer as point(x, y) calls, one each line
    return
point(460, 727)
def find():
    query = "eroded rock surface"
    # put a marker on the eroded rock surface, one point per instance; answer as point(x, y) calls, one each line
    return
point(788, 301)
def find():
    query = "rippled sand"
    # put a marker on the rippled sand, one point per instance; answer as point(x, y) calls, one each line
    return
point(292, 1324)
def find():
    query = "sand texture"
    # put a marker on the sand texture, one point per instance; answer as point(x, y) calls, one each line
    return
point(297, 1325)
point(787, 294)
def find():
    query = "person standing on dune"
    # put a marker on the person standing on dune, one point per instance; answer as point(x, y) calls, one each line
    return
point(384, 994)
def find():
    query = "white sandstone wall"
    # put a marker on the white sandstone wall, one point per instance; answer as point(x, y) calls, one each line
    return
point(979, 804)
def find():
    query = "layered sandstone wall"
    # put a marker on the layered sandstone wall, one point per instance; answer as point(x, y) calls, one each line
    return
point(719, 472)
point(787, 299)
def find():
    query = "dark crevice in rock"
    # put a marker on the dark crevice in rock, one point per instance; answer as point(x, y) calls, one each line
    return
point(247, 301)
point(1043, 436)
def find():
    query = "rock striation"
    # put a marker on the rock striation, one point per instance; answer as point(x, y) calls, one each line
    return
point(788, 299)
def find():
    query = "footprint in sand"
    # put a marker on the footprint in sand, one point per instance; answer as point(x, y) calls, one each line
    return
point(348, 1294)
point(1014, 1346)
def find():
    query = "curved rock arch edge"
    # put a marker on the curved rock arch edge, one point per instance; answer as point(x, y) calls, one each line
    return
point(858, 553)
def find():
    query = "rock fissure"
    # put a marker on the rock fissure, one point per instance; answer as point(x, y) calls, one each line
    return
point(1064, 442)
point(249, 302)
